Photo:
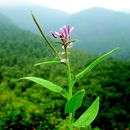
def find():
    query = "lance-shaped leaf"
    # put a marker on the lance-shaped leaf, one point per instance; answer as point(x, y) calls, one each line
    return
point(44, 36)
point(45, 83)
point(49, 85)
point(75, 102)
point(89, 115)
point(48, 62)
point(72, 41)
point(93, 64)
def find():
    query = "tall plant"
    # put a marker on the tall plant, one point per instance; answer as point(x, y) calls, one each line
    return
point(73, 101)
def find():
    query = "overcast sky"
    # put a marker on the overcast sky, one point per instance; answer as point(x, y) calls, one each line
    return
point(71, 6)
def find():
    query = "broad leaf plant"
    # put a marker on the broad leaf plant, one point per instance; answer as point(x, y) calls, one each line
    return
point(73, 101)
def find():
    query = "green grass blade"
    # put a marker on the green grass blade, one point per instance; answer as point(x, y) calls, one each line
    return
point(75, 102)
point(45, 83)
point(89, 115)
point(48, 62)
point(44, 36)
point(93, 64)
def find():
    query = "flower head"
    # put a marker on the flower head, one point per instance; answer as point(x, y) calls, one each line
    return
point(64, 38)
point(64, 34)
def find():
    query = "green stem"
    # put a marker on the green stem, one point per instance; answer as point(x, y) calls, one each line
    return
point(69, 79)
point(70, 84)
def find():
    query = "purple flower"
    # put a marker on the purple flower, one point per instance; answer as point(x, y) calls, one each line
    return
point(64, 34)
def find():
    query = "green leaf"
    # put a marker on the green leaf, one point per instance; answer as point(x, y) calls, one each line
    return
point(45, 83)
point(75, 40)
point(75, 102)
point(44, 36)
point(48, 62)
point(93, 64)
point(89, 115)
point(58, 42)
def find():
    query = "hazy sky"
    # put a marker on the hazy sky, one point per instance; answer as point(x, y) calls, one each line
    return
point(71, 6)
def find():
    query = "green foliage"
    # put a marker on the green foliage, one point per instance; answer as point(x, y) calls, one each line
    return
point(48, 62)
point(25, 105)
point(75, 102)
point(93, 64)
point(89, 115)
point(45, 83)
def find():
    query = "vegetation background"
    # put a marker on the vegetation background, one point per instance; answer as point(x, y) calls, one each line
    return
point(25, 105)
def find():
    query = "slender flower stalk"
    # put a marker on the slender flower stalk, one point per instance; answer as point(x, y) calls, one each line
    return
point(64, 38)
point(70, 84)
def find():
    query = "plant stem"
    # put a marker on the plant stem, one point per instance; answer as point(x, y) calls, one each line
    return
point(70, 84)
point(70, 93)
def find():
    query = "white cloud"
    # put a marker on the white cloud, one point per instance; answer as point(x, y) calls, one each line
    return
point(71, 5)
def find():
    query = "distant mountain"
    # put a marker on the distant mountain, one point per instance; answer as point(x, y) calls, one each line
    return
point(6, 26)
point(4, 20)
point(18, 46)
point(97, 29)
point(49, 18)
point(100, 30)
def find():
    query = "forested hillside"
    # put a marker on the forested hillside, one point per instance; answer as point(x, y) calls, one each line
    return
point(97, 29)
point(25, 105)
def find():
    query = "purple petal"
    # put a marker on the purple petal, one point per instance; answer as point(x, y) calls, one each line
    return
point(57, 33)
point(54, 34)
point(67, 32)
